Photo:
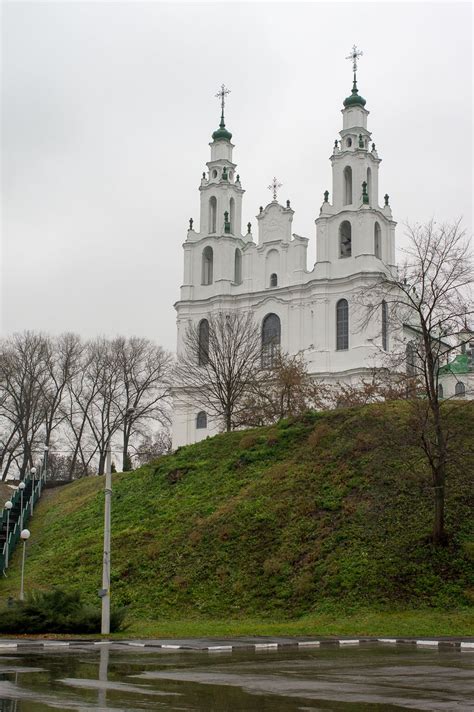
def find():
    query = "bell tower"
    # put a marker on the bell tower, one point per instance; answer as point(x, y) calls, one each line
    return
point(221, 191)
point(353, 228)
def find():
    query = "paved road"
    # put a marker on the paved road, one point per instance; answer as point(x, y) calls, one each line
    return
point(124, 678)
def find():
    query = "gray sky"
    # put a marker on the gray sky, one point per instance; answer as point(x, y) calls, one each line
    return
point(108, 109)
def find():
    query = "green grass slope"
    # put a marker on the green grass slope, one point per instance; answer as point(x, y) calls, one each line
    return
point(308, 515)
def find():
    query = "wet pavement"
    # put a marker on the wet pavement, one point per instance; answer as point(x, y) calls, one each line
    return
point(114, 677)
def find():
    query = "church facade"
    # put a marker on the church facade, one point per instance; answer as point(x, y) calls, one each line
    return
point(228, 266)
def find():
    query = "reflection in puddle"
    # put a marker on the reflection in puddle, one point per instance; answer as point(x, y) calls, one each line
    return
point(112, 679)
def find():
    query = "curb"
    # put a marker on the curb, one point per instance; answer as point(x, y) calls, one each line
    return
point(459, 645)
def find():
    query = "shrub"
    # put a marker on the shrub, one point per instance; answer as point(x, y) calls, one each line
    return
point(55, 611)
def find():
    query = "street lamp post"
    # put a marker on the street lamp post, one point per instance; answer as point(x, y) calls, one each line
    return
point(33, 473)
point(25, 535)
point(21, 487)
point(105, 593)
point(8, 506)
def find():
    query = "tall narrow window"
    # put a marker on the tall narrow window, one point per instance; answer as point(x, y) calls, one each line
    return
point(369, 185)
point(207, 265)
point(212, 214)
point(377, 241)
point(273, 280)
point(271, 339)
point(347, 185)
point(238, 267)
point(460, 389)
point(345, 239)
point(440, 391)
point(384, 325)
point(232, 215)
point(342, 325)
point(411, 359)
point(201, 420)
point(203, 348)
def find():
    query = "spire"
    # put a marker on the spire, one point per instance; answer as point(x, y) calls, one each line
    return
point(222, 134)
point(354, 98)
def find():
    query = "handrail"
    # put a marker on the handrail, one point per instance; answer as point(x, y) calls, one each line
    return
point(25, 514)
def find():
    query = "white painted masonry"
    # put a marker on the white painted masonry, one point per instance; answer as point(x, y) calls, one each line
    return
point(355, 244)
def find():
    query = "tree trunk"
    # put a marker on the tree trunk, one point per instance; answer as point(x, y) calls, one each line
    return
point(439, 534)
point(101, 468)
point(126, 465)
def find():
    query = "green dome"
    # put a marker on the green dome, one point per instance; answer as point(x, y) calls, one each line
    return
point(354, 99)
point(222, 134)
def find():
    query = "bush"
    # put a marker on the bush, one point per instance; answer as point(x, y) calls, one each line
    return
point(55, 611)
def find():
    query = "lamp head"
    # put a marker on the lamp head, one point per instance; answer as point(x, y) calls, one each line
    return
point(33, 470)
point(8, 505)
point(25, 534)
point(21, 486)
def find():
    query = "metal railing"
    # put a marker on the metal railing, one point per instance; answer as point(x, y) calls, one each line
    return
point(26, 512)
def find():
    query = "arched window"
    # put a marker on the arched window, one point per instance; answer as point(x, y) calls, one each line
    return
point(377, 241)
point(232, 214)
point(271, 338)
point(273, 280)
point(201, 420)
point(203, 348)
point(384, 325)
point(207, 265)
point(347, 185)
point(212, 214)
point(460, 389)
point(272, 265)
point(440, 391)
point(342, 325)
point(411, 359)
point(369, 184)
point(345, 239)
point(238, 267)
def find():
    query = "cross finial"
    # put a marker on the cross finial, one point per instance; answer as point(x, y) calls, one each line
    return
point(221, 94)
point(354, 56)
point(274, 186)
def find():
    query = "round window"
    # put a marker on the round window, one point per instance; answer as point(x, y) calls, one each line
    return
point(349, 142)
point(214, 173)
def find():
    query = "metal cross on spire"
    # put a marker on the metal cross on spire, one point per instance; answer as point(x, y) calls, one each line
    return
point(221, 94)
point(354, 55)
point(274, 186)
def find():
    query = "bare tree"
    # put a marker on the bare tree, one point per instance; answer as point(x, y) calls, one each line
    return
point(23, 379)
point(430, 299)
point(62, 362)
point(286, 389)
point(218, 369)
point(145, 375)
point(151, 446)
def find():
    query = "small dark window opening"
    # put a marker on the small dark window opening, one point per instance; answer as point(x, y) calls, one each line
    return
point(201, 420)
point(271, 339)
point(384, 326)
point(273, 280)
point(342, 325)
point(460, 389)
point(203, 348)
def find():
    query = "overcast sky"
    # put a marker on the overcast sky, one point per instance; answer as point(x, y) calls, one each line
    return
point(108, 109)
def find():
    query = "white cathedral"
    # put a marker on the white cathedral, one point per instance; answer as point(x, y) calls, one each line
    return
point(302, 310)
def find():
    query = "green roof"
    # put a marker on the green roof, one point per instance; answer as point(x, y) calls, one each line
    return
point(459, 365)
point(222, 134)
point(354, 99)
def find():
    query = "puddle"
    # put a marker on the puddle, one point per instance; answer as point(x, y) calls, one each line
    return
point(330, 680)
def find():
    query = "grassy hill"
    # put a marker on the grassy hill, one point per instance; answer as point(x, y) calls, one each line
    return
point(327, 512)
